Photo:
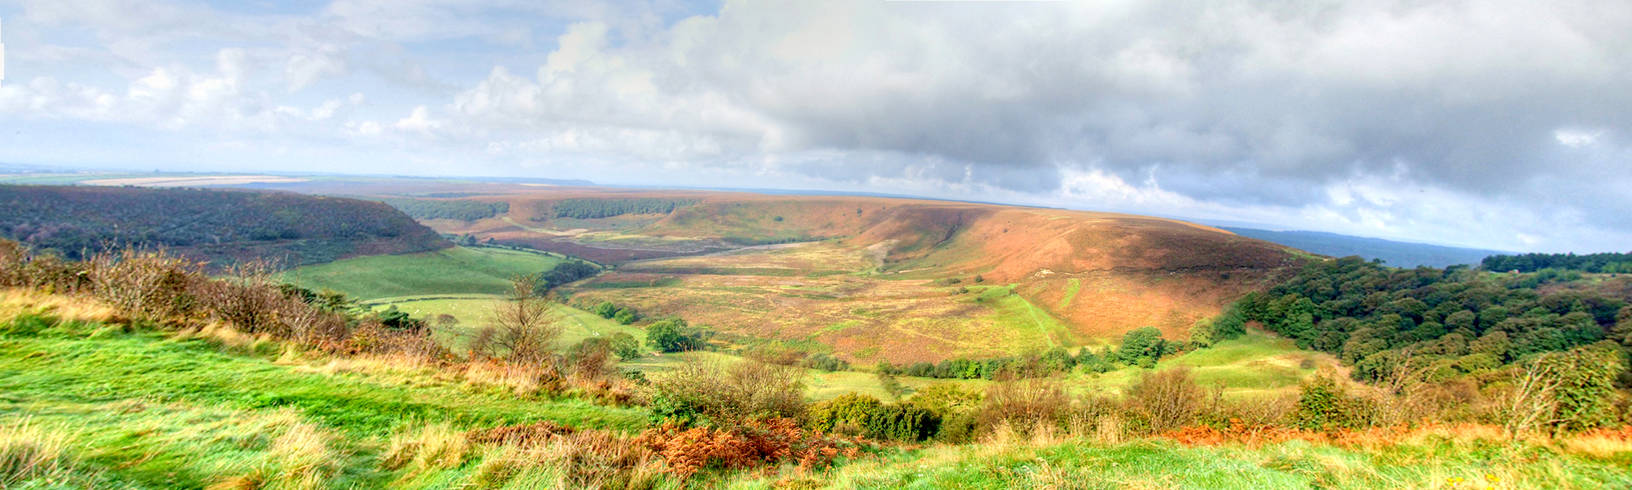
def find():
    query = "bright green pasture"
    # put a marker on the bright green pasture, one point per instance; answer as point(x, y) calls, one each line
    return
point(457, 270)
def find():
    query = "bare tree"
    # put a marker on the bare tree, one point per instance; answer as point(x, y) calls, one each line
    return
point(523, 323)
point(1531, 404)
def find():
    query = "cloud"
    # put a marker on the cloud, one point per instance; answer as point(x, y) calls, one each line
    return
point(1495, 122)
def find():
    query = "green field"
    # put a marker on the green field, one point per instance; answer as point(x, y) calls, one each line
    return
point(474, 311)
point(458, 270)
point(1256, 363)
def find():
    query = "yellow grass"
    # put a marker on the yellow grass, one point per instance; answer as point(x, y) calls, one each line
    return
point(432, 447)
point(29, 451)
point(302, 456)
point(14, 302)
point(1599, 445)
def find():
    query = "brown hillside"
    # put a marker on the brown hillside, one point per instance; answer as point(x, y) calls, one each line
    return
point(892, 279)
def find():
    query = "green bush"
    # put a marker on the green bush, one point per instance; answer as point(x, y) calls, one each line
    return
point(825, 362)
point(946, 399)
point(1586, 391)
point(875, 419)
point(672, 335)
point(728, 394)
point(1323, 405)
point(902, 422)
point(1142, 347)
point(565, 272)
point(625, 346)
point(851, 409)
point(958, 428)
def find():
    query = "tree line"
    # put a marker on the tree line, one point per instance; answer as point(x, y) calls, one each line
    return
point(1450, 322)
point(1533, 262)
point(607, 208)
point(463, 210)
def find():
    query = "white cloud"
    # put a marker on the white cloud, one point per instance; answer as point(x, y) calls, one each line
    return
point(1478, 122)
point(304, 69)
point(1576, 138)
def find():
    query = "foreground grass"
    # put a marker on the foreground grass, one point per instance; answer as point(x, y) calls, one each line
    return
point(1441, 460)
point(89, 405)
point(85, 404)
point(457, 270)
point(42, 361)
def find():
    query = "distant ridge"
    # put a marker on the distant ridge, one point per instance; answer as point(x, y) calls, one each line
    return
point(219, 226)
point(1393, 253)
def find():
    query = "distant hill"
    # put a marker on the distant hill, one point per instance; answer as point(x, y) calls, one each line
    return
point(1397, 254)
point(880, 279)
point(212, 225)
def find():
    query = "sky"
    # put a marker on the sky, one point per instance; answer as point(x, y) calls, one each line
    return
point(1500, 124)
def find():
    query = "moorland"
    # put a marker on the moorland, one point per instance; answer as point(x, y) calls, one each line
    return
point(568, 337)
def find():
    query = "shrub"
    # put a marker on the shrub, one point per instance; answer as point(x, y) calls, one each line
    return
point(1024, 405)
point(592, 360)
point(1324, 405)
point(891, 385)
point(824, 362)
point(728, 394)
point(1585, 386)
point(847, 410)
point(1142, 347)
point(149, 285)
point(625, 346)
point(901, 422)
point(688, 451)
point(606, 309)
point(625, 316)
point(1168, 400)
point(946, 399)
point(563, 273)
point(672, 335)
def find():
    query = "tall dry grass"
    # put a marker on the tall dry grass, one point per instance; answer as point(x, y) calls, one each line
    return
point(568, 459)
point(301, 456)
point(432, 447)
point(30, 452)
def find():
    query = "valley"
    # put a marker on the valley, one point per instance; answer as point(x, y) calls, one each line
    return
point(1026, 339)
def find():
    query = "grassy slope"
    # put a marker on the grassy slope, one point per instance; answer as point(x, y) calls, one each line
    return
point(110, 365)
point(144, 410)
point(1256, 363)
point(452, 271)
point(150, 410)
